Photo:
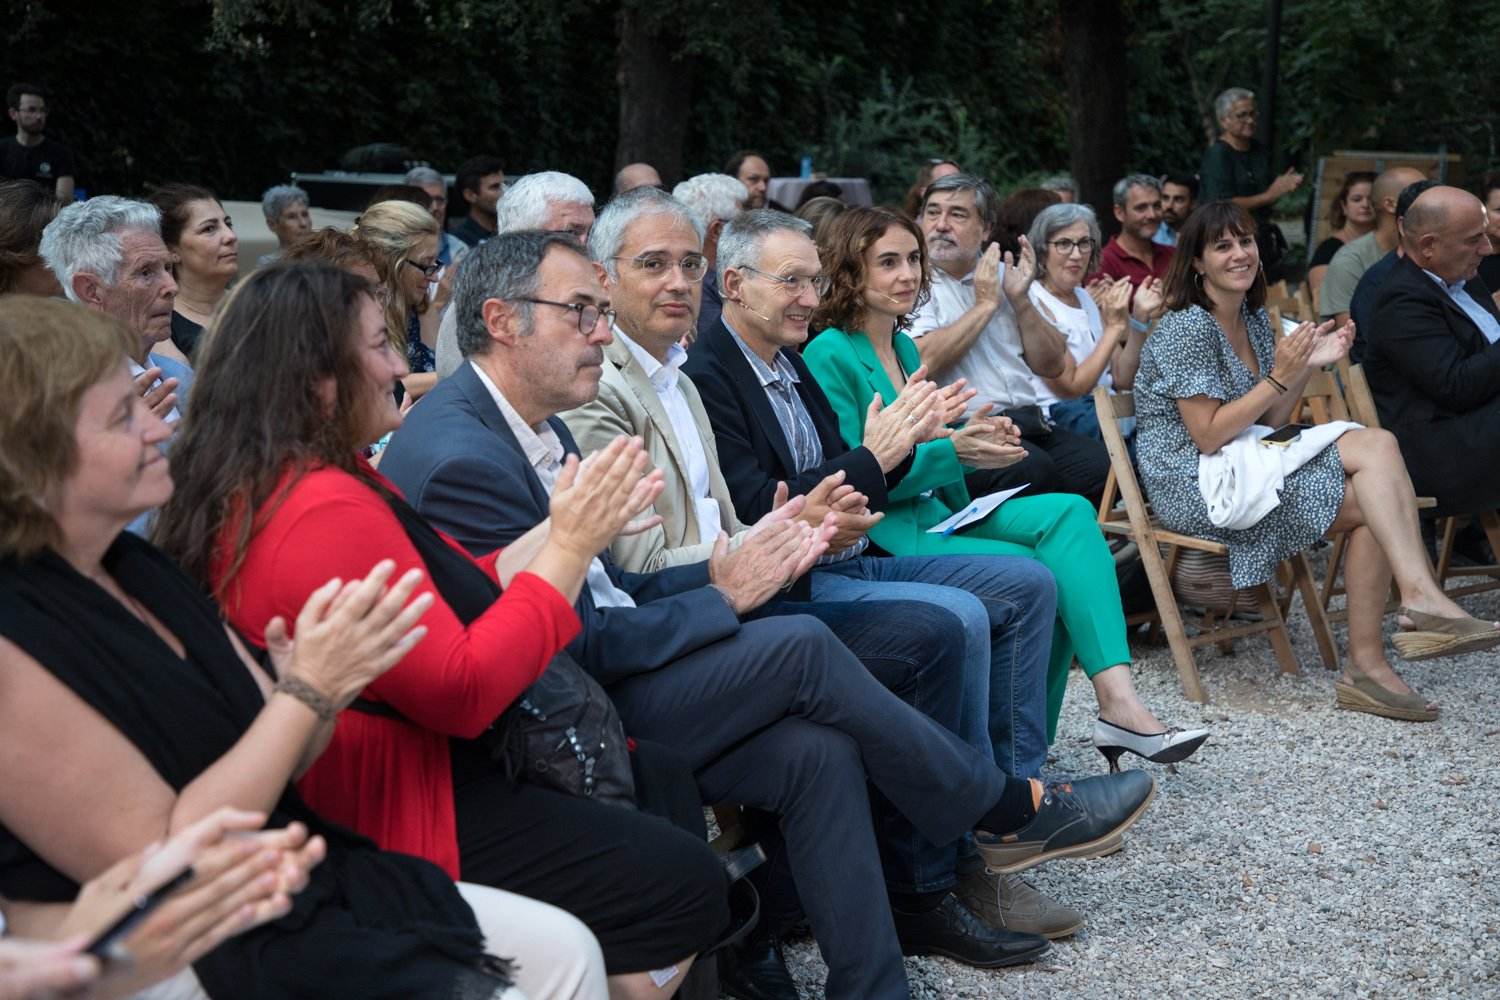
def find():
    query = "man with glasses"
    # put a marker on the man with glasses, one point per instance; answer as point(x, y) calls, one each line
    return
point(548, 200)
point(688, 654)
point(1237, 167)
point(34, 156)
point(979, 324)
point(1132, 253)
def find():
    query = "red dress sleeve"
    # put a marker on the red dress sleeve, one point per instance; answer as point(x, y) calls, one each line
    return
point(457, 680)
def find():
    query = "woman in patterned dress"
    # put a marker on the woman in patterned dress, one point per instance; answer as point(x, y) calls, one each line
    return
point(1210, 369)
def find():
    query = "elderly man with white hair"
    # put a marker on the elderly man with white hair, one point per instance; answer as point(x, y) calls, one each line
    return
point(714, 199)
point(450, 247)
point(550, 200)
point(108, 255)
point(287, 216)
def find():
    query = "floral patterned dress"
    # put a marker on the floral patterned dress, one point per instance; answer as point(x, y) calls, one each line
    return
point(1188, 355)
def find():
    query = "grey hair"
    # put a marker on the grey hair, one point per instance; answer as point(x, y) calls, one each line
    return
point(1124, 184)
point(279, 198)
point(608, 234)
point(419, 176)
point(85, 238)
point(986, 202)
point(712, 197)
point(1226, 100)
point(508, 267)
point(742, 241)
point(1060, 182)
point(1055, 218)
point(525, 202)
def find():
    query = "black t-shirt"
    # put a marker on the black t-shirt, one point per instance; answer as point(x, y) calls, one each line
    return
point(471, 232)
point(44, 163)
point(1489, 272)
point(1324, 254)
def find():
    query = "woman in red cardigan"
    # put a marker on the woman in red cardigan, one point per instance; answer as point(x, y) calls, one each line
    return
point(296, 377)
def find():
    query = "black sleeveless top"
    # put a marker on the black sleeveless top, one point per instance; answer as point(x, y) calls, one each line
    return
point(374, 923)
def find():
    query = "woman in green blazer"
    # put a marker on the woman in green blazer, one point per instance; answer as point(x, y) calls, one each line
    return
point(877, 263)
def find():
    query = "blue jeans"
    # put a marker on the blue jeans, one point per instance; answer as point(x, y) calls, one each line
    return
point(1007, 605)
point(1080, 417)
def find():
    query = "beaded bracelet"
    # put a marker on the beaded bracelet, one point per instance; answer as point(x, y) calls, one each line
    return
point(308, 695)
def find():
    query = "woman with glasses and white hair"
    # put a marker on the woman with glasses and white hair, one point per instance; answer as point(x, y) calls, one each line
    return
point(1104, 335)
point(1237, 168)
point(405, 237)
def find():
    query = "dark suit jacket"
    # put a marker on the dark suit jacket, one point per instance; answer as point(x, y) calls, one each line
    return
point(753, 452)
point(1436, 382)
point(458, 463)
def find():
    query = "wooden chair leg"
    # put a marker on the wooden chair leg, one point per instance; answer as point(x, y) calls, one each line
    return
point(1490, 521)
point(1281, 643)
point(1317, 616)
point(1171, 621)
point(1335, 569)
point(1445, 548)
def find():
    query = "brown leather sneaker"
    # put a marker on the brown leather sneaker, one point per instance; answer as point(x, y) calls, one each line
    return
point(1008, 903)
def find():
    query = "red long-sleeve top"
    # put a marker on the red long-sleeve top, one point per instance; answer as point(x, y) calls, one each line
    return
point(390, 779)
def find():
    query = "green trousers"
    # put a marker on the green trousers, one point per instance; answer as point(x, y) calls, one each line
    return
point(1060, 531)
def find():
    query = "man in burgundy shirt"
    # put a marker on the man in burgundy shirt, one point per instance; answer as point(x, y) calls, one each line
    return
point(1130, 253)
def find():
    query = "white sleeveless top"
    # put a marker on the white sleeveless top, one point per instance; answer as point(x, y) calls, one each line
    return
point(1082, 326)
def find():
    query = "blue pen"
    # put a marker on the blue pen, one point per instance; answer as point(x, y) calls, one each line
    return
point(954, 526)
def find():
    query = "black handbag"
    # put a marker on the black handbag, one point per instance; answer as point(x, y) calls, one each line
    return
point(563, 731)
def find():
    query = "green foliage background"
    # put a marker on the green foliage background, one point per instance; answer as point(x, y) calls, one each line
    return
point(237, 93)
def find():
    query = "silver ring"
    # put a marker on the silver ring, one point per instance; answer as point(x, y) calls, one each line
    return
point(911, 418)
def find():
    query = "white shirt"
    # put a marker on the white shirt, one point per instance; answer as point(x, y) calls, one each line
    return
point(1081, 324)
point(1476, 312)
point(545, 452)
point(993, 364)
point(664, 379)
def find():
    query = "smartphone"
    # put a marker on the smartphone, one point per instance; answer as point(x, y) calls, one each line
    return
point(1283, 435)
point(105, 943)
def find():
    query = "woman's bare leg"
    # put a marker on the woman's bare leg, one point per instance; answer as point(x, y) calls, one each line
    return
point(1378, 495)
point(1119, 703)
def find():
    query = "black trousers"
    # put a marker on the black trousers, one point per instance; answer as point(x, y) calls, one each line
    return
point(783, 717)
point(651, 890)
point(1060, 462)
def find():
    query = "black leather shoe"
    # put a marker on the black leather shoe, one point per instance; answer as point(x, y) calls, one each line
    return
point(755, 969)
point(1075, 820)
point(952, 931)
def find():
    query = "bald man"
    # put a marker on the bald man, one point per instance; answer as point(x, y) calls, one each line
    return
point(1432, 353)
point(636, 175)
point(1355, 257)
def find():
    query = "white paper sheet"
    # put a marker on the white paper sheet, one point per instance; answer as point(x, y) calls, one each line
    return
point(977, 510)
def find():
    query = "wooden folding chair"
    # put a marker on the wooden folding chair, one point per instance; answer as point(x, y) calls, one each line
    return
point(1362, 403)
point(1159, 549)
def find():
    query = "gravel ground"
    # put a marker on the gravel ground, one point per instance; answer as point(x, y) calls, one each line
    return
point(1303, 852)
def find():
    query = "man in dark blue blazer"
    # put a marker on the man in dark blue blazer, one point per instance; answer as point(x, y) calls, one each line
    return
point(773, 712)
point(1432, 354)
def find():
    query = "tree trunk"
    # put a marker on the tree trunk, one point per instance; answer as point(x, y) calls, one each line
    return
point(1094, 66)
point(656, 83)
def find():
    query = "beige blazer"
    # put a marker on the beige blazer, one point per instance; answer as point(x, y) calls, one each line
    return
point(628, 404)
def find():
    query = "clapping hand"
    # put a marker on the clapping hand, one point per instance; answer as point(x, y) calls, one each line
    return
point(987, 276)
point(1286, 183)
point(161, 396)
point(849, 508)
point(987, 442)
point(1019, 270)
point(598, 498)
point(892, 431)
point(777, 549)
point(1116, 304)
point(1331, 345)
point(952, 402)
point(1149, 300)
point(350, 633)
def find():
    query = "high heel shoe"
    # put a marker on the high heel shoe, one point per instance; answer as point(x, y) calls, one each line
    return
point(1159, 748)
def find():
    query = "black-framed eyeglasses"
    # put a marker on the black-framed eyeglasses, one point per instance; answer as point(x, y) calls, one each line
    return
point(588, 313)
point(429, 270)
point(796, 283)
point(656, 265)
point(1244, 116)
point(1084, 246)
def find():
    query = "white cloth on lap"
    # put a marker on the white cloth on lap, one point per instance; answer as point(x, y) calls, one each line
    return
point(1241, 481)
